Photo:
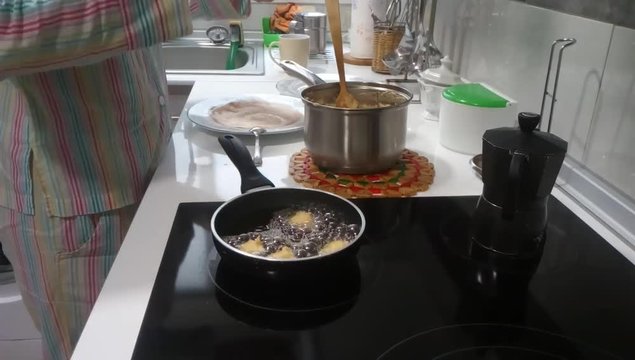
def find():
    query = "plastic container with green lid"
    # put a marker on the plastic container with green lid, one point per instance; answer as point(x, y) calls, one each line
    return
point(475, 94)
point(468, 110)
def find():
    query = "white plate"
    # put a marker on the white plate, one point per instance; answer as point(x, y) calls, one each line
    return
point(200, 113)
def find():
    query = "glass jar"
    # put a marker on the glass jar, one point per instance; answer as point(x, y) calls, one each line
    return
point(432, 82)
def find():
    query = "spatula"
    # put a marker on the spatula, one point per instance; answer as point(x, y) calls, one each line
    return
point(344, 98)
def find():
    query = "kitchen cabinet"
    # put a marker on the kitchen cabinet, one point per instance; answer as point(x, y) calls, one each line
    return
point(177, 97)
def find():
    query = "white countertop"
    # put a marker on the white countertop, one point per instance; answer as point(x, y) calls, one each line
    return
point(195, 168)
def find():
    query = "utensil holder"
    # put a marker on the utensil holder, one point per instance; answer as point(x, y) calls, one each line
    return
point(386, 38)
point(564, 43)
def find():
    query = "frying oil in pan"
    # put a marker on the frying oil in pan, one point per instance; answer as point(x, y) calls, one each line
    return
point(297, 232)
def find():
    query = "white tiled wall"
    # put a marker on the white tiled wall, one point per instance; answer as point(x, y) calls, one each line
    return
point(611, 143)
point(506, 43)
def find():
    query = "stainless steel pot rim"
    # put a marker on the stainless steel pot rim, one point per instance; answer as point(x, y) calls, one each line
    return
point(362, 226)
point(358, 84)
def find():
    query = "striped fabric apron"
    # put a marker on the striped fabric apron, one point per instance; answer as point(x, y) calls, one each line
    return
point(60, 280)
point(83, 122)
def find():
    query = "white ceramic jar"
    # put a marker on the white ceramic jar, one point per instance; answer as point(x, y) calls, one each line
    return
point(432, 82)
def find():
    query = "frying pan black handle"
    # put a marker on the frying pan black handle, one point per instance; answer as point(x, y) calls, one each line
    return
point(250, 177)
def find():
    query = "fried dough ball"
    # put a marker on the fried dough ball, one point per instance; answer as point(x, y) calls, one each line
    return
point(254, 246)
point(333, 246)
point(301, 218)
point(284, 253)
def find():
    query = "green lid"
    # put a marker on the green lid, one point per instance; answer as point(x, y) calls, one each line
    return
point(474, 95)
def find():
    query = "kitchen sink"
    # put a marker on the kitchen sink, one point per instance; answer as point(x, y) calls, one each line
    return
point(197, 55)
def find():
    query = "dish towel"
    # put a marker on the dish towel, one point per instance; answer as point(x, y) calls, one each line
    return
point(282, 15)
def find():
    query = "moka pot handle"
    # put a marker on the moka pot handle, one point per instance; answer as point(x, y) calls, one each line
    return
point(516, 170)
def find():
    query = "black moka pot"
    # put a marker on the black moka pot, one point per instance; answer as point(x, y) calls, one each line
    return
point(520, 167)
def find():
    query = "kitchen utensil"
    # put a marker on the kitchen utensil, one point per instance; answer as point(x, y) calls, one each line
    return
point(344, 98)
point(417, 43)
point(199, 114)
point(257, 131)
point(293, 68)
point(413, 18)
point(292, 47)
point(393, 12)
point(255, 208)
point(356, 141)
point(432, 82)
point(432, 53)
point(476, 162)
point(566, 42)
point(396, 61)
point(400, 61)
point(520, 167)
point(467, 110)
point(313, 24)
point(409, 55)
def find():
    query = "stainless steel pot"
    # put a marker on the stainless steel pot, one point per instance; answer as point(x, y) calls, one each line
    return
point(355, 141)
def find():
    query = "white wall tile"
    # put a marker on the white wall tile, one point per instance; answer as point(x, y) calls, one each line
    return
point(611, 145)
point(507, 44)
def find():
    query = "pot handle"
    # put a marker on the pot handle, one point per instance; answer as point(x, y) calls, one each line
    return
point(516, 170)
point(299, 71)
point(250, 177)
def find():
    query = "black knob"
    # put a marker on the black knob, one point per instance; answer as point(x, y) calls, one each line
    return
point(528, 121)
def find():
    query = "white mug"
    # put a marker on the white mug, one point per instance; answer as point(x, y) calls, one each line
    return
point(292, 47)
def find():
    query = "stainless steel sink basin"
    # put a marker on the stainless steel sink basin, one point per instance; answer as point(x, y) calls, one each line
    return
point(198, 56)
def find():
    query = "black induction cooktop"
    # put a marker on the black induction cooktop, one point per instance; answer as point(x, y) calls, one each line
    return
point(417, 289)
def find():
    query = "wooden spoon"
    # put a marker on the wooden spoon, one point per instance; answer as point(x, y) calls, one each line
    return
point(344, 98)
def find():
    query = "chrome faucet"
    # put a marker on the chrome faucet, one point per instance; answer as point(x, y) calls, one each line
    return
point(236, 32)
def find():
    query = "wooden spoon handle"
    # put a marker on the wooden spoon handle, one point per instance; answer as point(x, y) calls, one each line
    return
point(333, 11)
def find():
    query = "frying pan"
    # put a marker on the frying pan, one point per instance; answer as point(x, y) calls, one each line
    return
point(287, 305)
point(256, 206)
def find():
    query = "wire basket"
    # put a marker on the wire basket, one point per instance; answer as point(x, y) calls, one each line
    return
point(386, 38)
